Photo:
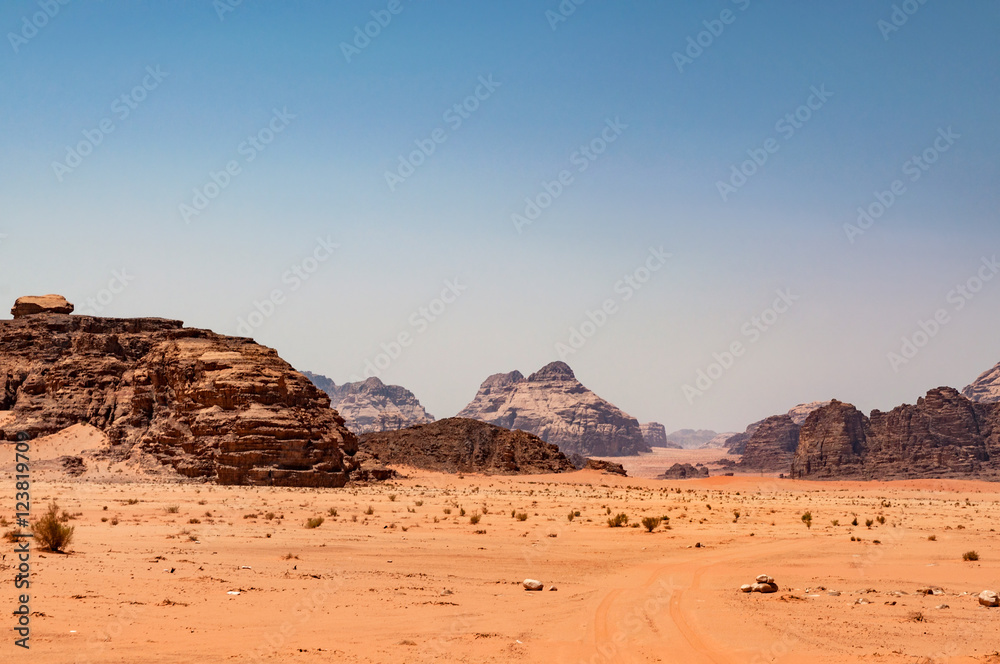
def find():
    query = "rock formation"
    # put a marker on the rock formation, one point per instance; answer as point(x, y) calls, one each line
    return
point(655, 435)
point(772, 445)
point(943, 435)
point(552, 404)
point(40, 304)
point(690, 439)
point(801, 412)
point(737, 444)
point(986, 388)
point(683, 471)
point(371, 405)
point(463, 445)
point(206, 405)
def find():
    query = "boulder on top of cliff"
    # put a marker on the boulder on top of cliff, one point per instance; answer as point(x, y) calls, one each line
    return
point(30, 305)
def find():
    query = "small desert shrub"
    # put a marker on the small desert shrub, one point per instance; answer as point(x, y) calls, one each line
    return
point(194, 520)
point(370, 510)
point(447, 510)
point(461, 511)
point(419, 503)
point(970, 555)
point(836, 522)
point(932, 538)
point(521, 516)
point(203, 502)
point(855, 522)
point(314, 522)
point(13, 536)
point(104, 519)
point(571, 516)
point(270, 515)
point(869, 522)
point(392, 497)
point(807, 519)
point(880, 519)
point(50, 533)
point(114, 521)
point(618, 521)
point(132, 501)
point(330, 512)
point(916, 616)
point(289, 556)
point(354, 518)
point(651, 523)
point(250, 516)
point(172, 509)
point(474, 519)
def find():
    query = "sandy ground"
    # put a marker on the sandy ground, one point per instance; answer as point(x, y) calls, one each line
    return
point(415, 581)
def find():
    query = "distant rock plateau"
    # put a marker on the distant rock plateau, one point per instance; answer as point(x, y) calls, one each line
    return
point(371, 406)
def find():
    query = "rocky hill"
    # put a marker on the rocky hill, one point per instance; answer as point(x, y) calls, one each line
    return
point(986, 388)
point(552, 404)
point(772, 445)
point(691, 439)
point(206, 405)
point(655, 435)
point(737, 444)
point(371, 405)
point(944, 435)
point(463, 445)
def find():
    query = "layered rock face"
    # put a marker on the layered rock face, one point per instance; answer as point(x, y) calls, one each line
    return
point(370, 406)
point(552, 404)
point(207, 405)
point(655, 434)
point(457, 444)
point(943, 435)
point(737, 444)
point(986, 388)
point(772, 445)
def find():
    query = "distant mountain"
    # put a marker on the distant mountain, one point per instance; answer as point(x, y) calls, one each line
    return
point(552, 404)
point(371, 405)
point(986, 388)
point(690, 439)
point(737, 443)
point(655, 435)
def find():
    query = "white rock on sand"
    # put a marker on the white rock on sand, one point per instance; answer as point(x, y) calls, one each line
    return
point(532, 584)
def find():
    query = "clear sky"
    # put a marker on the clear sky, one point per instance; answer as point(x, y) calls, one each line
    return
point(621, 121)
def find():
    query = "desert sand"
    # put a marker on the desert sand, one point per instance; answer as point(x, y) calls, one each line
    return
point(154, 567)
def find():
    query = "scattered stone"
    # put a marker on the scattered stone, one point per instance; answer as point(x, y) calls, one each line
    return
point(552, 588)
point(861, 600)
point(833, 593)
point(746, 588)
point(532, 584)
point(942, 606)
point(989, 598)
point(445, 591)
point(765, 588)
point(764, 578)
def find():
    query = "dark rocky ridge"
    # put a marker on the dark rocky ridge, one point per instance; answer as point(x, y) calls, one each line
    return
point(772, 445)
point(207, 405)
point(456, 445)
point(552, 404)
point(943, 435)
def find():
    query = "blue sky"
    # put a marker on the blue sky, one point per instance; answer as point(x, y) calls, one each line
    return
point(271, 82)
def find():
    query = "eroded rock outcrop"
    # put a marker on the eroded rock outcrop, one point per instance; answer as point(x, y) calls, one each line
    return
point(683, 471)
point(772, 445)
point(207, 405)
point(737, 443)
point(552, 404)
point(655, 435)
point(370, 406)
point(30, 305)
point(456, 444)
point(943, 435)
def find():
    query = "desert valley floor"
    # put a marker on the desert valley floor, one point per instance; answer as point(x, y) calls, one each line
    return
point(400, 574)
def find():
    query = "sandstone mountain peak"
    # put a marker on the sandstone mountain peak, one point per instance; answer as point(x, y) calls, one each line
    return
point(553, 371)
point(552, 404)
point(30, 305)
point(371, 405)
point(986, 388)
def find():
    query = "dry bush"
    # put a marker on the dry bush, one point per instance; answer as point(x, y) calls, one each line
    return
point(474, 519)
point(618, 521)
point(970, 556)
point(651, 523)
point(50, 533)
point(314, 522)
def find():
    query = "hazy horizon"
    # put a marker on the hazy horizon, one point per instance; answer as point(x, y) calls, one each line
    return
point(243, 164)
